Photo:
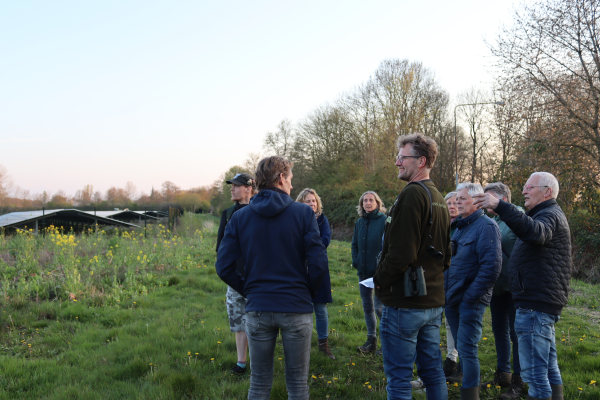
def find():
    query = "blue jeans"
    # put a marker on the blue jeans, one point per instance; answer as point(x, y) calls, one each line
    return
point(296, 331)
point(371, 306)
point(466, 324)
point(537, 351)
point(409, 335)
point(503, 326)
point(322, 320)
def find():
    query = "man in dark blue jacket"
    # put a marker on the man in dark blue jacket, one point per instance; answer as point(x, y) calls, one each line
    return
point(539, 274)
point(476, 264)
point(285, 263)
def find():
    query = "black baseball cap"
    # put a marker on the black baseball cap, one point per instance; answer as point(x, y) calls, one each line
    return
point(242, 180)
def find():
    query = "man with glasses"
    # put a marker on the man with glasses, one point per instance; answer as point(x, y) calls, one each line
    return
point(416, 244)
point(539, 273)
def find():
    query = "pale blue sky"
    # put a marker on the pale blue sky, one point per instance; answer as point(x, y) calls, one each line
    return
point(107, 92)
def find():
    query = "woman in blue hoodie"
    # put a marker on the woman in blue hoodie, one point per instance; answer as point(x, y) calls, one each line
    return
point(323, 296)
point(366, 246)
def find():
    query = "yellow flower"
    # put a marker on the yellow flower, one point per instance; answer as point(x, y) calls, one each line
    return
point(369, 386)
point(592, 382)
point(314, 377)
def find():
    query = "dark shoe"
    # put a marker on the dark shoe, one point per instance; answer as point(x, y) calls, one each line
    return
point(502, 379)
point(517, 389)
point(369, 347)
point(449, 367)
point(379, 352)
point(557, 392)
point(456, 377)
point(469, 393)
point(238, 370)
point(324, 347)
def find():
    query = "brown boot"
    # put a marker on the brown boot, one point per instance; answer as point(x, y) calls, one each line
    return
point(502, 379)
point(516, 390)
point(557, 392)
point(324, 347)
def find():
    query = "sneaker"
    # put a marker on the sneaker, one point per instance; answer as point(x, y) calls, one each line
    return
point(370, 346)
point(449, 367)
point(418, 384)
point(238, 370)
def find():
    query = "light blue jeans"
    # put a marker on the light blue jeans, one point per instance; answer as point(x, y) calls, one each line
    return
point(296, 331)
point(409, 335)
point(322, 319)
point(371, 306)
point(537, 351)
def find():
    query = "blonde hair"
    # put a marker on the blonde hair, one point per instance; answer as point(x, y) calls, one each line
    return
point(380, 205)
point(302, 196)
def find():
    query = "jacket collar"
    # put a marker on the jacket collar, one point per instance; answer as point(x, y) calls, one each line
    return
point(275, 189)
point(541, 206)
point(464, 222)
point(372, 215)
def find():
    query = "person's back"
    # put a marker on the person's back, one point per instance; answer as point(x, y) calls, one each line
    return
point(285, 260)
point(276, 232)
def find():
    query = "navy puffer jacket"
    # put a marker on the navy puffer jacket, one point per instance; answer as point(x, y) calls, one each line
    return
point(540, 264)
point(477, 262)
point(324, 293)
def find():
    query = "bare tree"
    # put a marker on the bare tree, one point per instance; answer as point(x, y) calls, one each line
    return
point(281, 141)
point(130, 191)
point(5, 184)
point(551, 53)
point(476, 116)
point(251, 163)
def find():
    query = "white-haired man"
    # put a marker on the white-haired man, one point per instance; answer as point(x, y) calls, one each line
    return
point(476, 264)
point(539, 274)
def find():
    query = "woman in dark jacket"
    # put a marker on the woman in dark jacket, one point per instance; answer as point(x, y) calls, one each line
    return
point(323, 296)
point(366, 245)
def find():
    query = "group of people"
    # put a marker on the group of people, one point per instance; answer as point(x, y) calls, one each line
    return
point(428, 257)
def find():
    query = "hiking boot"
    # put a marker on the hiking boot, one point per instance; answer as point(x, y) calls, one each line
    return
point(516, 390)
point(324, 347)
point(502, 379)
point(449, 367)
point(469, 393)
point(369, 347)
point(557, 392)
point(238, 370)
point(456, 377)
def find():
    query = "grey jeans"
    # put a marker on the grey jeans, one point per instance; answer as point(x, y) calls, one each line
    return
point(296, 331)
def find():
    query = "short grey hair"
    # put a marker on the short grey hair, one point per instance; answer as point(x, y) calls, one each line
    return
point(500, 189)
point(451, 194)
point(473, 188)
point(547, 179)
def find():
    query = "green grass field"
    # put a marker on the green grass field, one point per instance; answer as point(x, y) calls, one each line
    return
point(119, 316)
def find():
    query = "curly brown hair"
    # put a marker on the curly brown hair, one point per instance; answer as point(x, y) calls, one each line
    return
point(269, 169)
point(422, 145)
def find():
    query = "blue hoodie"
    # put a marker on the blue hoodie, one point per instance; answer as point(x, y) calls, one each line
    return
point(275, 235)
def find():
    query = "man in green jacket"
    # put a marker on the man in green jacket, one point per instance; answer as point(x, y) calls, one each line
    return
point(416, 246)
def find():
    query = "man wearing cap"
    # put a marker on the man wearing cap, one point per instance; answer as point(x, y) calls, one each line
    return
point(242, 189)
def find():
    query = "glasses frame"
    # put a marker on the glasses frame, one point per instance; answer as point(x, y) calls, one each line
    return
point(401, 158)
point(528, 189)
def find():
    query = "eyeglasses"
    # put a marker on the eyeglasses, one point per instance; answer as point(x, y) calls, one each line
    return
point(401, 158)
point(528, 187)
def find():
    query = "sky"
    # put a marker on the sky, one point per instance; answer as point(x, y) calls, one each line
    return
point(107, 92)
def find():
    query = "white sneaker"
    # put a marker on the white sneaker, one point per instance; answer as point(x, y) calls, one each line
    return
point(418, 384)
